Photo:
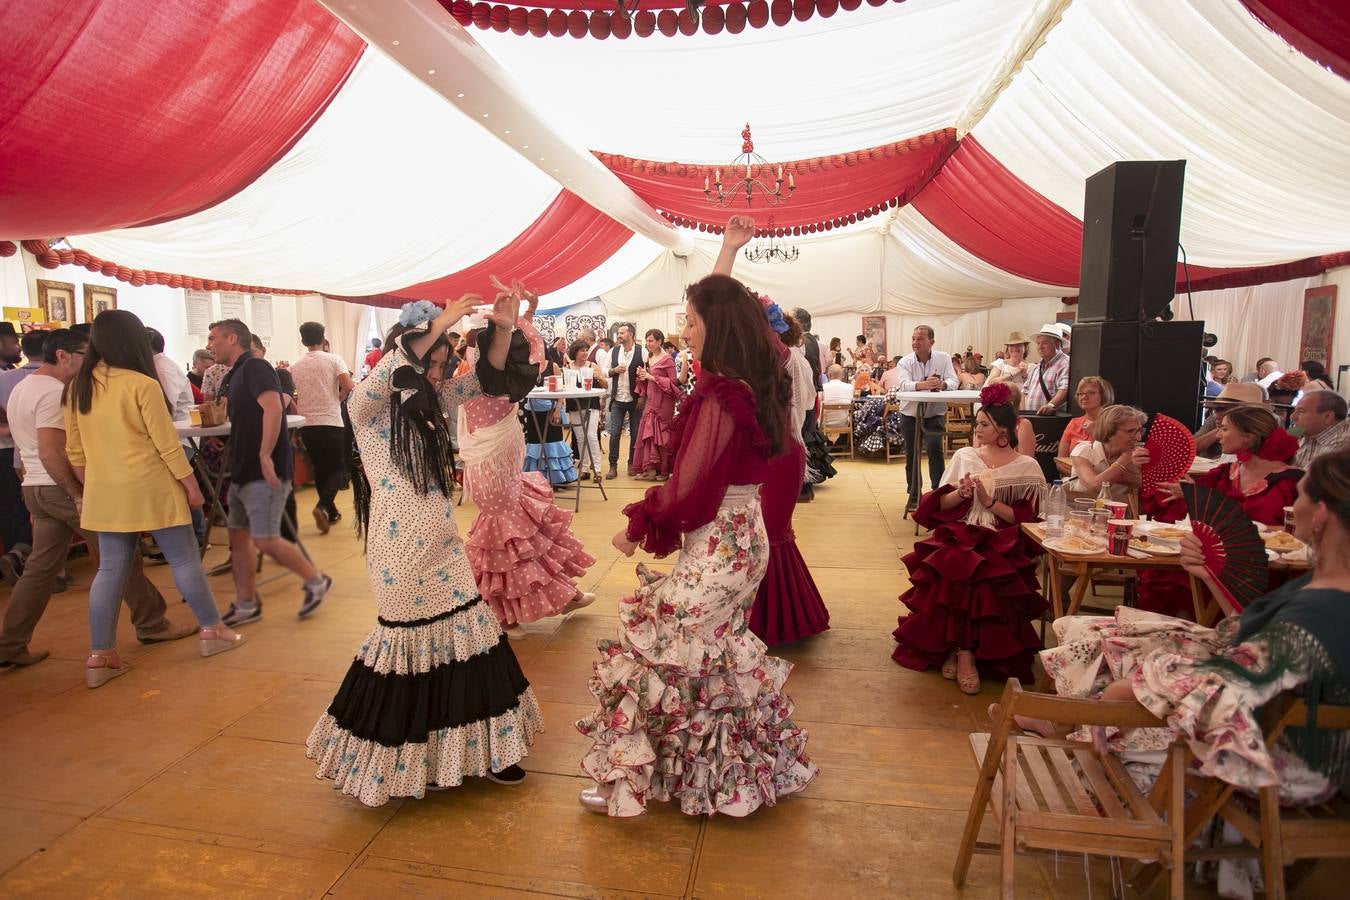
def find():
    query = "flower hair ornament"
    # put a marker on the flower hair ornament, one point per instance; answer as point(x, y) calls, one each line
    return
point(776, 320)
point(1279, 446)
point(417, 312)
point(996, 395)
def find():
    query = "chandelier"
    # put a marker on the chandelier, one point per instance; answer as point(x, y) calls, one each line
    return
point(773, 251)
point(756, 167)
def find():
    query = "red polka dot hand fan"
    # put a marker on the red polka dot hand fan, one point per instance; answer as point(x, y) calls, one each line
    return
point(1234, 553)
point(1171, 450)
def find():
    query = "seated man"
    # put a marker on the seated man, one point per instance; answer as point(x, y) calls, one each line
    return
point(1321, 416)
point(836, 390)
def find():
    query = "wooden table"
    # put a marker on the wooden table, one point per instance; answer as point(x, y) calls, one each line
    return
point(1082, 568)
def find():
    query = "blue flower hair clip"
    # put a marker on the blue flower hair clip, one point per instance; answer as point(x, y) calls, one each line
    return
point(417, 312)
point(776, 320)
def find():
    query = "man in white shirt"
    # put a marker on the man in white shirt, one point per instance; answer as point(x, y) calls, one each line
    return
point(53, 495)
point(322, 382)
point(925, 369)
point(624, 361)
point(837, 390)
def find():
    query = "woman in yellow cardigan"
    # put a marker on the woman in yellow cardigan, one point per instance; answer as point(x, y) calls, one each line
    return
point(122, 444)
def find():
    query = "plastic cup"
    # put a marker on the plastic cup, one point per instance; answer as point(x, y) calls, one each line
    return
point(1097, 521)
point(1079, 524)
point(1118, 534)
point(587, 382)
point(195, 417)
point(1289, 519)
point(1118, 509)
point(553, 384)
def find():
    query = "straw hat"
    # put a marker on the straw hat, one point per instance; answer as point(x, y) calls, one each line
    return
point(1052, 330)
point(1016, 337)
point(1234, 393)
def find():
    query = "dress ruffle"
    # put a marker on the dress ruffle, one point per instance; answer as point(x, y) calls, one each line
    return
point(426, 702)
point(819, 463)
point(973, 588)
point(690, 706)
point(553, 459)
point(788, 606)
point(655, 446)
point(526, 562)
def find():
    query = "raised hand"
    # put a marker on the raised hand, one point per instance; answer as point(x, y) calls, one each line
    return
point(504, 310)
point(458, 309)
point(739, 231)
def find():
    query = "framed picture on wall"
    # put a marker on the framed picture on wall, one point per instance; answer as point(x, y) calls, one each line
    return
point(58, 299)
point(98, 298)
point(874, 331)
point(1319, 321)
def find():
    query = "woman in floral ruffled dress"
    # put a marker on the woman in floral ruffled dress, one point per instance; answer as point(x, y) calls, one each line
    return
point(690, 707)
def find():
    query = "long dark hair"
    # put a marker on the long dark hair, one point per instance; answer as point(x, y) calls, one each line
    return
point(738, 343)
point(118, 338)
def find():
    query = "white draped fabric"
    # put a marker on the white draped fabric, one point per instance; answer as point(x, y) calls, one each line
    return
point(390, 187)
point(1252, 322)
point(627, 261)
point(1263, 128)
point(863, 78)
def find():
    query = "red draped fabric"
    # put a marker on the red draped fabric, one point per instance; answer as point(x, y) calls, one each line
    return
point(1319, 29)
point(568, 240)
point(832, 191)
point(120, 112)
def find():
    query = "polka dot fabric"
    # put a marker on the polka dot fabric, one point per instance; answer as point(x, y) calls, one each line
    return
point(1171, 450)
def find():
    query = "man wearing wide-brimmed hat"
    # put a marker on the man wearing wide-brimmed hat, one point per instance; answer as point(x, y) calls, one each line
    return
point(1047, 387)
point(1233, 394)
point(1012, 368)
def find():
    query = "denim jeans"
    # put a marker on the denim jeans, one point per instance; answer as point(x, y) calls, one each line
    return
point(117, 551)
point(618, 411)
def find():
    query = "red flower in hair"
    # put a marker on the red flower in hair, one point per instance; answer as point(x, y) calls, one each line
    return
point(1279, 446)
point(996, 395)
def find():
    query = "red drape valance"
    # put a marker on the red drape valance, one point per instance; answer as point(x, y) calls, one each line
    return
point(119, 112)
point(1319, 29)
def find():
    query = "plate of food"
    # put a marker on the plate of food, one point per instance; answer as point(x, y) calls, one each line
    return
point(1167, 532)
point(1281, 541)
point(1073, 545)
point(1142, 543)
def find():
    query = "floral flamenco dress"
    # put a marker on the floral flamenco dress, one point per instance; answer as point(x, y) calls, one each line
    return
point(691, 708)
point(521, 547)
point(655, 450)
point(973, 579)
point(435, 692)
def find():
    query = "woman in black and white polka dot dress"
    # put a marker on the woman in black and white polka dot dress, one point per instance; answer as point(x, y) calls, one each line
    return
point(435, 693)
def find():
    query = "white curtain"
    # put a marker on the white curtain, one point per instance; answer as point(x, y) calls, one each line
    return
point(1252, 322)
point(1263, 128)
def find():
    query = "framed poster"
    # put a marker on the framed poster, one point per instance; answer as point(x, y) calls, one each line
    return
point(57, 298)
point(874, 330)
point(1319, 321)
point(98, 298)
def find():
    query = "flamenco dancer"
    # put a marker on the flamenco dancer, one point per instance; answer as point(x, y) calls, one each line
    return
point(974, 593)
point(788, 606)
point(435, 693)
point(521, 547)
point(691, 709)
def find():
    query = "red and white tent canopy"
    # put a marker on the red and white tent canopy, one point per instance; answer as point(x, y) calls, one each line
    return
point(939, 147)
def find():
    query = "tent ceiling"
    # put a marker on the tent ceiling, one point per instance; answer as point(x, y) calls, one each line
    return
point(391, 189)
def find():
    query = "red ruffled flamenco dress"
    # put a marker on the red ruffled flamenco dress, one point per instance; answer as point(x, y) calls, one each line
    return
point(974, 578)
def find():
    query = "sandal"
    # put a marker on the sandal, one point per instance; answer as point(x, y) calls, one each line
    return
point(109, 665)
point(582, 599)
point(969, 683)
point(212, 643)
point(949, 667)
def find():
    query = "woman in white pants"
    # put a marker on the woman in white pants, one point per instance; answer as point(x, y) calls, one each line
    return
point(577, 362)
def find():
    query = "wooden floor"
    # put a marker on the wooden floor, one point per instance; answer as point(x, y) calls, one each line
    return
point(187, 777)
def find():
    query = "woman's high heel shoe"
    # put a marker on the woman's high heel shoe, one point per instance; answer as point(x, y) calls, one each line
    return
point(108, 667)
point(594, 800)
point(581, 600)
point(212, 643)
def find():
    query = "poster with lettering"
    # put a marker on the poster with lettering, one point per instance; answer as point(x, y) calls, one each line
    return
point(262, 316)
point(198, 306)
point(233, 305)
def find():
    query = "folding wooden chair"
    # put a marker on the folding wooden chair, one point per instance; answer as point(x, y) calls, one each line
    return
point(891, 453)
point(1057, 795)
point(833, 431)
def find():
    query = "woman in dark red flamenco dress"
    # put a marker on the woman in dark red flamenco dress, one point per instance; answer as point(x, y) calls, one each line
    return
point(1261, 480)
point(788, 606)
point(974, 593)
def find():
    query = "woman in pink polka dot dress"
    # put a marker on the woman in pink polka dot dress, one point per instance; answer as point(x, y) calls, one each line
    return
point(521, 547)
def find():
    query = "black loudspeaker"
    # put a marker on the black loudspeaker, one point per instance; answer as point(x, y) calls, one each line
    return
point(1131, 222)
point(1156, 366)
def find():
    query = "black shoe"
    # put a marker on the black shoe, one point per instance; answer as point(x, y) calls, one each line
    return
point(509, 775)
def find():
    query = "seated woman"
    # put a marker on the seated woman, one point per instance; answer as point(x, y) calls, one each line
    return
point(1026, 435)
point(970, 377)
point(1112, 456)
point(1261, 480)
point(975, 593)
point(1208, 683)
point(1094, 393)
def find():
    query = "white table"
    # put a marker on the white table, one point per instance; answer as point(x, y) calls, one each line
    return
point(194, 434)
point(923, 398)
point(583, 446)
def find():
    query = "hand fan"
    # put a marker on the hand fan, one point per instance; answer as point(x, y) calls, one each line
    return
point(1233, 550)
point(1171, 450)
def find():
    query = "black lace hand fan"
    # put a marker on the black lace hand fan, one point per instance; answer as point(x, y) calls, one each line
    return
point(1235, 555)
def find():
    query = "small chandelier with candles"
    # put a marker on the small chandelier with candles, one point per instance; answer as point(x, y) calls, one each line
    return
point(773, 251)
point(756, 167)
